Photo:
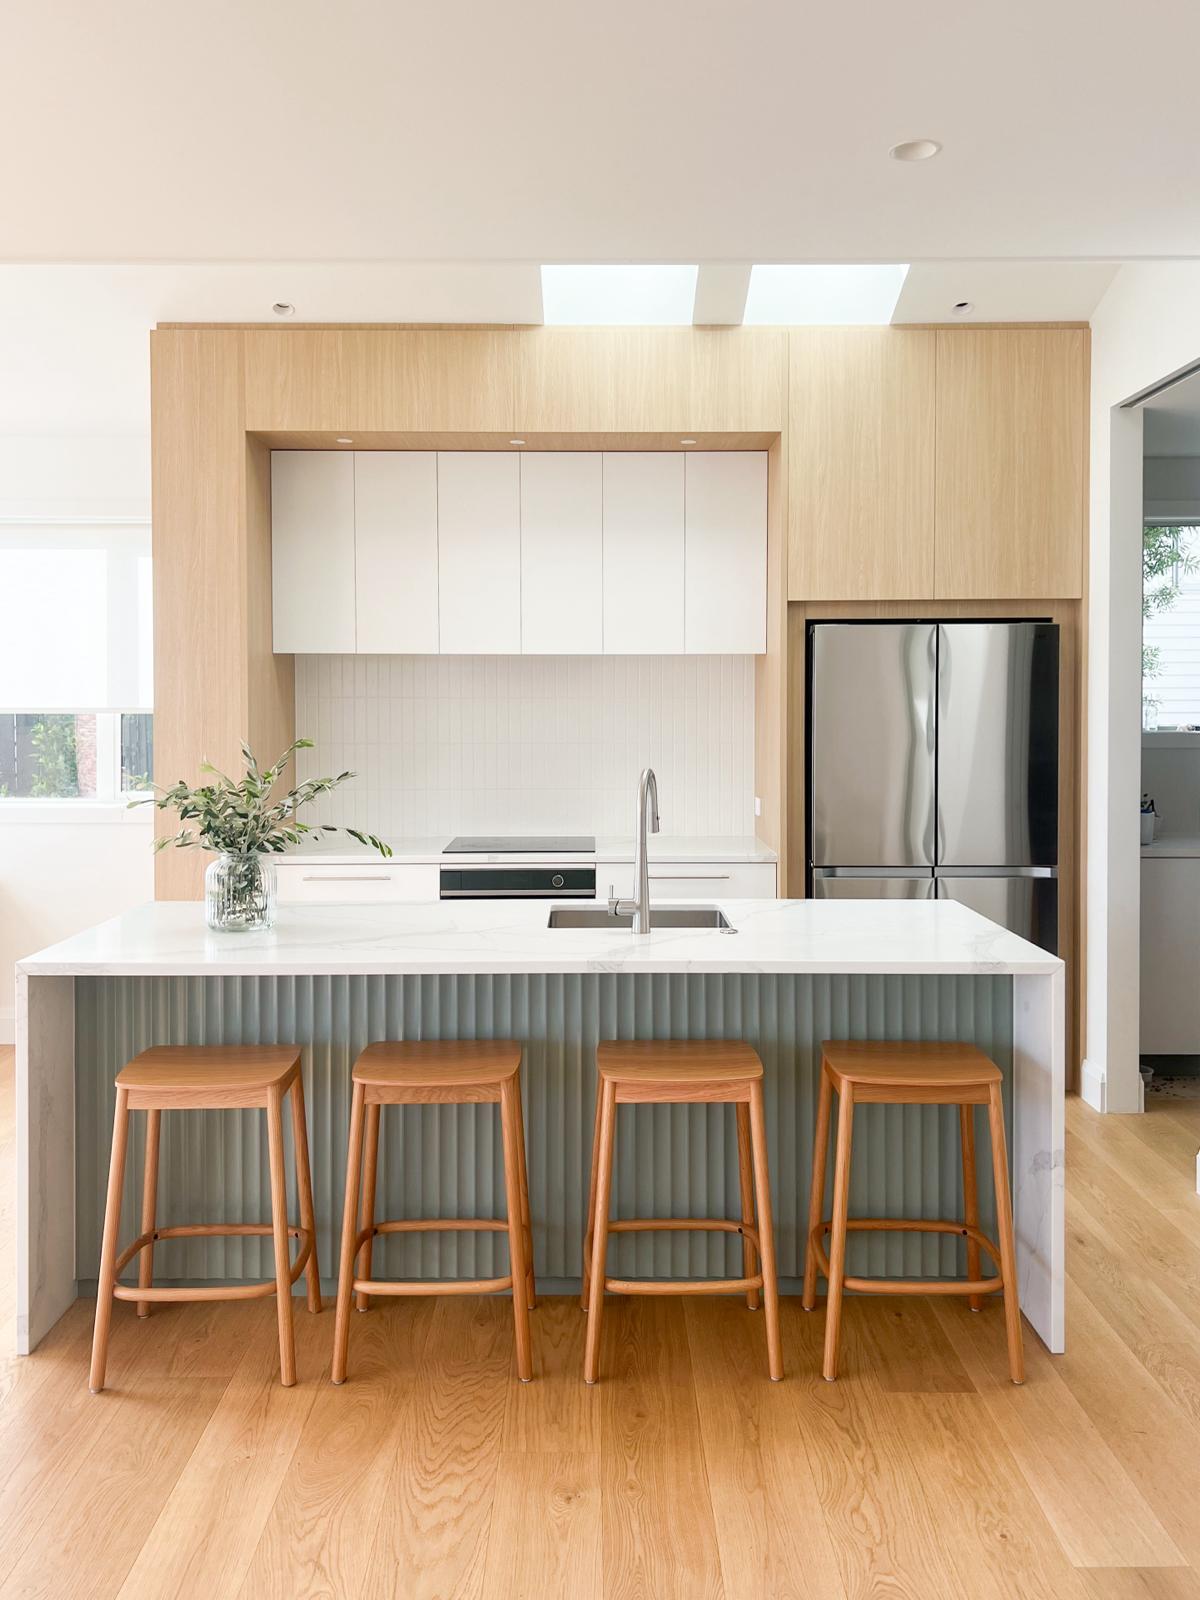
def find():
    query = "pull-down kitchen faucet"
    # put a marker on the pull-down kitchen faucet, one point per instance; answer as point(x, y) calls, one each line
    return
point(647, 818)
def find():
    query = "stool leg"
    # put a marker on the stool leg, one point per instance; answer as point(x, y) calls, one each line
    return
point(837, 1240)
point(766, 1230)
point(746, 1184)
point(149, 1204)
point(510, 1124)
point(108, 1248)
point(525, 1214)
point(1004, 1229)
point(590, 1219)
point(308, 1214)
point(607, 1111)
point(816, 1195)
point(366, 1215)
point(966, 1129)
point(341, 1327)
point(279, 1229)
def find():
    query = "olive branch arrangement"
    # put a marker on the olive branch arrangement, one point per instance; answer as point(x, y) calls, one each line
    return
point(240, 819)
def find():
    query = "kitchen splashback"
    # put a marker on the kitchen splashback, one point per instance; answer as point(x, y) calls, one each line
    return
point(473, 744)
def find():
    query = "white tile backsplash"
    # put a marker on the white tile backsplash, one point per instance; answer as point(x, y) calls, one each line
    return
point(474, 744)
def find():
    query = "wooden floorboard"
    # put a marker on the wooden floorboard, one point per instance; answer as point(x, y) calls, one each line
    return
point(921, 1473)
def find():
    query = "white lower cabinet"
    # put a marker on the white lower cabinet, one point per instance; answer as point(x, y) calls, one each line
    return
point(369, 884)
point(1170, 937)
point(692, 880)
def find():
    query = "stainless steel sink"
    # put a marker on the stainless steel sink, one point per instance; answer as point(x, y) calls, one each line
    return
point(660, 917)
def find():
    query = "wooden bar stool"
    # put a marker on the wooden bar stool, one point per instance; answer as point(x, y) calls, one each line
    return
point(910, 1074)
point(434, 1072)
point(674, 1072)
point(208, 1078)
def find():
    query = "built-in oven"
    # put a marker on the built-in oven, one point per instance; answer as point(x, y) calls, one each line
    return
point(566, 872)
point(518, 883)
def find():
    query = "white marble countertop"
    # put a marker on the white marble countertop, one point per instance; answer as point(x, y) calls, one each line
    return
point(169, 938)
point(614, 847)
point(1181, 845)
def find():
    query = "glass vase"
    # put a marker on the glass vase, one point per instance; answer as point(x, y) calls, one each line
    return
point(239, 893)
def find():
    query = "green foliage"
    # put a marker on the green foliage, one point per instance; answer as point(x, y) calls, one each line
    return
point(1164, 556)
point(56, 772)
point(240, 819)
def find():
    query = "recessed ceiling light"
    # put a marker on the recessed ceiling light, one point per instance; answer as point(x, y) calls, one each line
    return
point(345, 441)
point(915, 150)
point(284, 308)
point(962, 308)
point(783, 296)
point(687, 441)
point(516, 441)
point(654, 295)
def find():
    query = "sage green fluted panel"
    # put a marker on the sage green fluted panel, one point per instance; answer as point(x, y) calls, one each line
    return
point(446, 1160)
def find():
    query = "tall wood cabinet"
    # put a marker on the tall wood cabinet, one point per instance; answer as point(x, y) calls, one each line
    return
point(940, 464)
point(1011, 442)
point(862, 463)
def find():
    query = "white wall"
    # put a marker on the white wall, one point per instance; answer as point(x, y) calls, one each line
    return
point(63, 869)
point(520, 744)
point(1146, 328)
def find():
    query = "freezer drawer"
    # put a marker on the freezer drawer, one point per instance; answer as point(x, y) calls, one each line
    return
point(1024, 904)
point(871, 744)
point(836, 884)
point(997, 744)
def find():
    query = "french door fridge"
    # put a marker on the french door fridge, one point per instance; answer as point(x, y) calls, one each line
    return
point(933, 766)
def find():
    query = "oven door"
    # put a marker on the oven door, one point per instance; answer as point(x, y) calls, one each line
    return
point(517, 883)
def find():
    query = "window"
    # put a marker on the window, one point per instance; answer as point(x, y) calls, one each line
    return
point(1171, 626)
point(87, 755)
point(76, 661)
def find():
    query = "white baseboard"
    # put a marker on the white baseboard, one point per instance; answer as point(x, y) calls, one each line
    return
point(1093, 1085)
point(8, 1025)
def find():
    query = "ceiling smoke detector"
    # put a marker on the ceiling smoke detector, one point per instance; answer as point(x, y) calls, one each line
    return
point(284, 308)
point(962, 308)
point(914, 150)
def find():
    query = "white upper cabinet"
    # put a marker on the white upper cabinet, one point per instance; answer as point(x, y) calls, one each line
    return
point(396, 551)
point(482, 552)
point(479, 552)
point(562, 541)
point(643, 553)
point(725, 585)
point(312, 551)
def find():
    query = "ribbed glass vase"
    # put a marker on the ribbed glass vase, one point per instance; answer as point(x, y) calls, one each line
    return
point(239, 893)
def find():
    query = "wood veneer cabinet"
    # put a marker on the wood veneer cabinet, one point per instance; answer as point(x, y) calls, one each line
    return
point(1011, 448)
point(861, 464)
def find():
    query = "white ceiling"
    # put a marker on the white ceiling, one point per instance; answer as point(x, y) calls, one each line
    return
point(239, 130)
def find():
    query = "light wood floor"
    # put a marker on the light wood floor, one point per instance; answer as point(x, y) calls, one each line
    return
point(922, 1473)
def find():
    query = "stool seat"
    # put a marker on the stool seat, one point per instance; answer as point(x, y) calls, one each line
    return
point(221, 1075)
point(677, 1061)
point(438, 1063)
point(924, 1071)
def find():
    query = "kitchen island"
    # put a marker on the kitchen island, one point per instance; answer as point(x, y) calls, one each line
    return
point(333, 978)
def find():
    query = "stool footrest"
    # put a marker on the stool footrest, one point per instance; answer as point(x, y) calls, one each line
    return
point(683, 1225)
point(208, 1230)
point(439, 1286)
point(910, 1285)
point(436, 1225)
point(685, 1286)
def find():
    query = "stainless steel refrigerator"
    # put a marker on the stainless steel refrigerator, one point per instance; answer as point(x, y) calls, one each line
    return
point(933, 766)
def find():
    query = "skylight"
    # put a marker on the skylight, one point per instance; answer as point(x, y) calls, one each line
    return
point(628, 295)
point(829, 294)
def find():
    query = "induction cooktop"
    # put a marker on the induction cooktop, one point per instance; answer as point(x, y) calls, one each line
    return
point(520, 844)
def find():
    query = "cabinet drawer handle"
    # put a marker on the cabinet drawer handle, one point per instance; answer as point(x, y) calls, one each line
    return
point(690, 877)
point(347, 877)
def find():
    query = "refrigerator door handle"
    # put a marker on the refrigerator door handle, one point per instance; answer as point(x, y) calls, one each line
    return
point(995, 872)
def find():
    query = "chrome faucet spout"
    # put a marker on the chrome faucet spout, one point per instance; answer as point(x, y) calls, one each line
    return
point(647, 821)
